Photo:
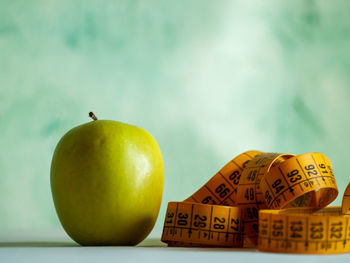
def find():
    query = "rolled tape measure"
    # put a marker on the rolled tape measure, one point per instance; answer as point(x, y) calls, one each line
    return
point(233, 209)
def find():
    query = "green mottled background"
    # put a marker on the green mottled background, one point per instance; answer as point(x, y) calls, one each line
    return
point(209, 79)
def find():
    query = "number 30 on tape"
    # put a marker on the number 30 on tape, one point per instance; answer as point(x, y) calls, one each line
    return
point(275, 201)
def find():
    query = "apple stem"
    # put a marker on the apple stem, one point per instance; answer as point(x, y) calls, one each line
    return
point(92, 115)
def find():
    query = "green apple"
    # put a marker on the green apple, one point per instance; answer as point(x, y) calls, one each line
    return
point(107, 183)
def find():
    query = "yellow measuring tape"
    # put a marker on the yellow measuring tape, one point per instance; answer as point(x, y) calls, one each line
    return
point(275, 201)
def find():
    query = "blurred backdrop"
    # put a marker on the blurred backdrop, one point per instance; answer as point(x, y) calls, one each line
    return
point(209, 79)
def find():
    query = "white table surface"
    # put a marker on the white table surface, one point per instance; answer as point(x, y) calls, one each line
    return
point(55, 246)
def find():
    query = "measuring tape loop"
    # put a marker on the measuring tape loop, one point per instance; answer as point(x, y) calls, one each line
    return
point(304, 180)
point(233, 208)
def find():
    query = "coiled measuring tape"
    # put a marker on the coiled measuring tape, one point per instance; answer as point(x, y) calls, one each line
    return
point(225, 211)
